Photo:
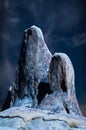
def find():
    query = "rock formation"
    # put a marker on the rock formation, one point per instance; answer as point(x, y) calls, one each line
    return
point(32, 67)
point(33, 64)
point(43, 94)
point(62, 75)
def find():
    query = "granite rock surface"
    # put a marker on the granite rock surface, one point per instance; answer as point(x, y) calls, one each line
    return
point(23, 118)
point(42, 96)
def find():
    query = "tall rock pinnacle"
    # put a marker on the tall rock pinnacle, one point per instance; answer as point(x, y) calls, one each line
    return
point(33, 63)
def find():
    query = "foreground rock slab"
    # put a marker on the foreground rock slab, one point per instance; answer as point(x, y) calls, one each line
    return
point(23, 118)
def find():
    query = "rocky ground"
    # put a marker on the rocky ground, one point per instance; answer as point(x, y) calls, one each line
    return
point(23, 118)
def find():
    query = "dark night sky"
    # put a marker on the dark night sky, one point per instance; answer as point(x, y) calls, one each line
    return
point(63, 23)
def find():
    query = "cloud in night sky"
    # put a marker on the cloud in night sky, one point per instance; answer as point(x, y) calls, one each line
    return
point(64, 28)
point(79, 39)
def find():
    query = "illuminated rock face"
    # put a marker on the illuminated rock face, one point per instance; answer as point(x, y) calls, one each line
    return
point(43, 95)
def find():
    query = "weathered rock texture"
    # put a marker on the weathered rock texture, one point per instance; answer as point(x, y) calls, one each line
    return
point(33, 63)
point(32, 67)
point(43, 95)
point(62, 80)
point(23, 118)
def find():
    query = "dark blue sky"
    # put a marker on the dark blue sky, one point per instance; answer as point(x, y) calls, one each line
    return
point(63, 23)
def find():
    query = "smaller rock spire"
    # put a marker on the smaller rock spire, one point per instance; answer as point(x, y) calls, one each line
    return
point(62, 77)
